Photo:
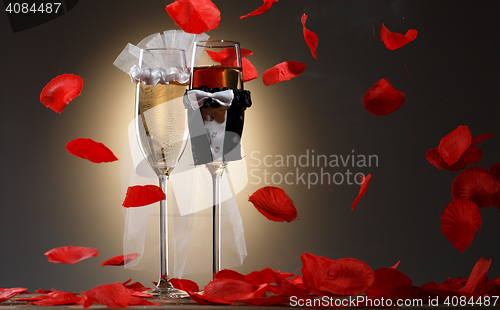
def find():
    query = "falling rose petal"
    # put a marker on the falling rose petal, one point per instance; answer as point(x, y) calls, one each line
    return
point(346, 276)
point(477, 275)
point(143, 195)
point(95, 152)
point(481, 138)
point(70, 254)
point(60, 91)
point(454, 144)
point(120, 260)
point(185, 285)
point(362, 189)
point(310, 37)
point(249, 71)
point(459, 222)
point(396, 265)
point(227, 56)
point(383, 99)
point(477, 185)
point(274, 204)
point(58, 298)
point(386, 280)
point(394, 40)
point(283, 72)
point(262, 9)
point(113, 295)
point(435, 158)
point(194, 16)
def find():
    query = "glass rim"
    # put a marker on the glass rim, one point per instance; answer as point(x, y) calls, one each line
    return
point(229, 43)
point(166, 49)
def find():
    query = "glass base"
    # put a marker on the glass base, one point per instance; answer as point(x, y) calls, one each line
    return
point(165, 289)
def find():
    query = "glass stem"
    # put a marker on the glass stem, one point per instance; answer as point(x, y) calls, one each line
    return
point(164, 281)
point(216, 214)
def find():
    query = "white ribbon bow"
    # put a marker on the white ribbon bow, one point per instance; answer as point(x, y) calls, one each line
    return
point(198, 97)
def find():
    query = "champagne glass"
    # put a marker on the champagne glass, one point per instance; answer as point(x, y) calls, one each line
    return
point(162, 132)
point(216, 85)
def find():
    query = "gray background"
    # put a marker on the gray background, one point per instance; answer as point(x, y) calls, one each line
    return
point(449, 75)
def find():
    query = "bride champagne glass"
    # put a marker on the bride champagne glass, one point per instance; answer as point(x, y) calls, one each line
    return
point(162, 131)
point(216, 89)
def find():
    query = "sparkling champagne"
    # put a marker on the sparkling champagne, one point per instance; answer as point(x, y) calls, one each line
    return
point(162, 124)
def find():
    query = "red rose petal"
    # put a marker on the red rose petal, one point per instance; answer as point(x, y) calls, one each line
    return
point(60, 91)
point(185, 285)
point(249, 71)
point(435, 158)
point(346, 276)
point(143, 195)
point(383, 99)
point(194, 16)
point(386, 280)
point(8, 293)
point(120, 260)
point(136, 286)
point(481, 138)
point(89, 149)
point(112, 295)
point(454, 144)
point(260, 277)
point(477, 275)
point(229, 274)
point(70, 254)
point(394, 40)
point(232, 290)
point(262, 9)
point(282, 72)
point(58, 298)
point(362, 190)
point(310, 37)
point(495, 171)
point(477, 185)
point(459, 222)
point(274, 204)
point(396, 265)
point(472, 155)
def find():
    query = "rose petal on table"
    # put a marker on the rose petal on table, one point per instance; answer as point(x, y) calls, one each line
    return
point(113, 295)
point(477, 275)
point(262, 9)
point(58, 298)
point(310, 37)
point(120, 260)
point(229, 274)
point(233, 290)
point(60, 91)
point(460, 221)
point(394, 40)
point(362, 190)
point(453, 145)
point(283, 72)
point(8, 293)
point(477, 185)
point(274, 203)
point(185, 285)
point(386, 280)
point(194, 16)
point(383, 99)
point(143, 195)
point(40, 291)
point(495, 172)
point(91, 150)
point(346, 276)
point(70, 254)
